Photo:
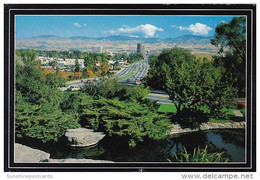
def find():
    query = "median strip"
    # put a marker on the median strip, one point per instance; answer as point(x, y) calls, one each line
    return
point(128, 76)
point(159, 95)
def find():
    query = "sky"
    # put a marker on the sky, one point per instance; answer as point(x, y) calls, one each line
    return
point(102, 26)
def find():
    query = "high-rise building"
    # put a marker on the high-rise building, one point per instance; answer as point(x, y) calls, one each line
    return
point(141, 49)
point(101, 49)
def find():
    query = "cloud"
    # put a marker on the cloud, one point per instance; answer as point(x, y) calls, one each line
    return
point(135, 36)
point(77, 24)
point(147, 30)
point(196, 29)
point(85, 25)
point(223, 22)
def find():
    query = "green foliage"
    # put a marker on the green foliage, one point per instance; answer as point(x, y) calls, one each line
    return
point(35, 87)
point(189, 118)
point(132, 121)
point(119, 111)
point(28, 56)
point(131, 58)
point(200, 155)
point(55, 80)
point(112, 89)
point(77, 69)
point(135, 58)
point(44, 122)
point(191, 84)
point(231, 37)
point(37, 107)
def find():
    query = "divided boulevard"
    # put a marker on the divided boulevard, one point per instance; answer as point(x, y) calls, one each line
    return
point(131, 76)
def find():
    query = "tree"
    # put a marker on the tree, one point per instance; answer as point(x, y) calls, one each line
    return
point(231, 37)
point(29, 56)
point(37, 104)
point(111, 89)
point(104, 67)
point(88, 61)
point(90, 73)
point(135, 57)
point(191, 84)
point(53, 64)
point(116, 64)
point(77, 69)
point(77, 75)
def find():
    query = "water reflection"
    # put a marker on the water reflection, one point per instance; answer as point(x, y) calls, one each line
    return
point(231, 142)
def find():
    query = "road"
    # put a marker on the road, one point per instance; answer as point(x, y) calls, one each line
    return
point(140, 70)
point(128, 76)
point(137, 70)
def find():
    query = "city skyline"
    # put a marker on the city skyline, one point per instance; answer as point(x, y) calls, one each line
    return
point(132, 26)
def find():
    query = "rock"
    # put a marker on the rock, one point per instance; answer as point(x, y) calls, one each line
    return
point(176, 129)
point(220, 125)
point(25, 154)
point(72, 160)
point(228, 125)
point(238, 113)
point(82, 137)
point(243, 124)
point(204, 126)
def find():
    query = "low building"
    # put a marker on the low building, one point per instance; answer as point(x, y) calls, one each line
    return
point(120, 61)
point(70, 61)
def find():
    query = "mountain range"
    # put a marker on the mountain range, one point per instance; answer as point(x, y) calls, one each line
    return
point(115, 43)
point(178, 40)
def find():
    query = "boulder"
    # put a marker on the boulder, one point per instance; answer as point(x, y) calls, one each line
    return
point(82, 137)
point(238, 113)
point(25, 154)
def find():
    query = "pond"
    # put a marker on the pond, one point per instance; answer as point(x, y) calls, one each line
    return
point(231, 142)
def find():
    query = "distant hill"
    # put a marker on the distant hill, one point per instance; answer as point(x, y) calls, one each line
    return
point(114, 43)
point(118, 38)
point(46, 37)
point(81, 37)
point(190, 39)
point(186, 39)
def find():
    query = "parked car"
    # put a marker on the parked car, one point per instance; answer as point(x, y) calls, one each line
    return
point(73, 88)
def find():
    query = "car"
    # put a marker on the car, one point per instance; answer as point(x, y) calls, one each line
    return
point(73, 88)
point(90, 81)
point(241, 102)
point(137, 81)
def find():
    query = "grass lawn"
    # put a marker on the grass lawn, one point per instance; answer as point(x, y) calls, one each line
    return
point(229, 112)
point(170, 108)
point(167, 108)
point(220, 120)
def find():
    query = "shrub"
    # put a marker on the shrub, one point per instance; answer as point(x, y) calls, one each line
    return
point(131, 121)
point(200, 155)
point(189, 118)
point(44, 122)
